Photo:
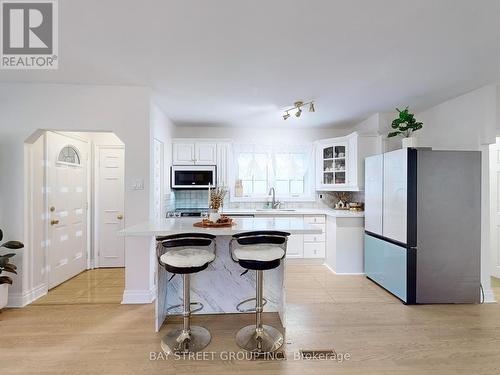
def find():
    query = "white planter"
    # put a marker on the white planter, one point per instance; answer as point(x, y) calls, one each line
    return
point(214, 216)
point(4, 295)
point(410, 142)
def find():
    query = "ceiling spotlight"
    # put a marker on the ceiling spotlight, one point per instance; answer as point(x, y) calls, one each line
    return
point(297, 107)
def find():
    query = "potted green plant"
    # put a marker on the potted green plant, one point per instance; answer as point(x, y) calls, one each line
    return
point(405, 125)
point(6, 266)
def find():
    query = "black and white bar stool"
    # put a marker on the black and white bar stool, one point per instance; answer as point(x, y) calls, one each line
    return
point(259, 251)
point(185, 254)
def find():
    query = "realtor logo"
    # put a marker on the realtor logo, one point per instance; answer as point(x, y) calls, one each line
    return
point(29, 34)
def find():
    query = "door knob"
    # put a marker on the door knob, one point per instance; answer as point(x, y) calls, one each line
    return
point(52, 209)
point(54, 222)
point(119, 217)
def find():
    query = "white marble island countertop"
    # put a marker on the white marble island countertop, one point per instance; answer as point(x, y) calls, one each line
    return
point(292, 225)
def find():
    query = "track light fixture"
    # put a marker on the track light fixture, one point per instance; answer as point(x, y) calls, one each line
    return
point(298, 109)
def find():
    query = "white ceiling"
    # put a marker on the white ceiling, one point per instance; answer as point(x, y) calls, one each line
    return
point(238, 63)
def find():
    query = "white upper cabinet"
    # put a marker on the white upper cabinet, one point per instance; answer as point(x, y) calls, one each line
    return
point(194, 153)
point(183, 153)
point(205, 153)
point(336, 163)
point(223, 157)
point(340, 161)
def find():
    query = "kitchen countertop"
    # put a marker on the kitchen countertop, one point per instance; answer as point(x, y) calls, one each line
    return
point(185, 225)
point(295, 211)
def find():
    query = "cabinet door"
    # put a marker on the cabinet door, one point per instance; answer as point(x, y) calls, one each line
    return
point(395, 195)
point(223, 150)
point(333, 165)
point(183, 153)
point(206, 153)
point(386, 264)
point(314, 250)
point(374, 182)
point(295, 246)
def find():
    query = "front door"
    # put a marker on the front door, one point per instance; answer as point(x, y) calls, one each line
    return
point(67, 203)
point(110, 207)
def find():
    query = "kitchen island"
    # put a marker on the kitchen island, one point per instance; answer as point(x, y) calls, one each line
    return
point(221, 286)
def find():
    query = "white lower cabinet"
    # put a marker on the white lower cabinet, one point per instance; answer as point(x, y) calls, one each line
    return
point(309, 245)
point(314, 250)
point(295, 246)
point(314, 244)
point(306, 245)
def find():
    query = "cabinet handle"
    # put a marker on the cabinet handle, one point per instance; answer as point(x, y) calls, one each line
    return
point(54, 222)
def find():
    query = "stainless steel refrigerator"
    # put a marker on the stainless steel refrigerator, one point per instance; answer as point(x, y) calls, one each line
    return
point(423, 224)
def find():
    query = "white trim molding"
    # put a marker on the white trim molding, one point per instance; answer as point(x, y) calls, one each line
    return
point(489, 296)
point(131, 297)
point(24, 299)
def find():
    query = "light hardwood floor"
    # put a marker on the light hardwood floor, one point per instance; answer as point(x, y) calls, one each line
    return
point(89, 332)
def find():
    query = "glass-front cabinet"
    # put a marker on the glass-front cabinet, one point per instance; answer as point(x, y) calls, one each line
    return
point(336, 164)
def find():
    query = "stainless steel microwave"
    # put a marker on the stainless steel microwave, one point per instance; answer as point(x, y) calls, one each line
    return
point(193, 176)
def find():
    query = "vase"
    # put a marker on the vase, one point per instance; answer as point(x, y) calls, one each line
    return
point(213, 215)
point(4, 295)
point(410, 142)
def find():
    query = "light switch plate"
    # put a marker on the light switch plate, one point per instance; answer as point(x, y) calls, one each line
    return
point(138, 184)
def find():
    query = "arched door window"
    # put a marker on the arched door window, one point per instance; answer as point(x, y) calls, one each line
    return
point(69, 155)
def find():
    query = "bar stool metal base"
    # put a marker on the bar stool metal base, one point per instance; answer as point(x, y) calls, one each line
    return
point(268, 340)
point(180, 341)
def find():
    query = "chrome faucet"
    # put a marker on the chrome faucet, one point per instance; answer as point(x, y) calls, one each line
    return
point(275, 204)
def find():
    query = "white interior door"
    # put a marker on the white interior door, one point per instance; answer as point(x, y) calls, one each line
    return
point(110, 206)
point(67, 202)
point(158, 177)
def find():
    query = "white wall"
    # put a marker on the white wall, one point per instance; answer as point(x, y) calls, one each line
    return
point(462, 123)
point(260, 135)
point(380, 123)
point(24, 108)
point(162, 129)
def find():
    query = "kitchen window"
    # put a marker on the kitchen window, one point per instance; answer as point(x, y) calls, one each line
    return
point(257, 168)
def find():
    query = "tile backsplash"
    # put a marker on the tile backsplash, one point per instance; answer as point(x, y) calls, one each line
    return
point(188, 199)
point(199, 199)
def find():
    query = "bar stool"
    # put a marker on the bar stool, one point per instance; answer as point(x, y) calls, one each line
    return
point(186, 253)
point(259, 251)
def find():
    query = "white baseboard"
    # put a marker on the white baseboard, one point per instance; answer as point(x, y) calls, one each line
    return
point(489, 296)
point(138, 296)
point(24, 299)
point(305, 261)
point(344, 273)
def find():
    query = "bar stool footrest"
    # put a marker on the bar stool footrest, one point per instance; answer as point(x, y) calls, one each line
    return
point(252, 309)
point(191, 304)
